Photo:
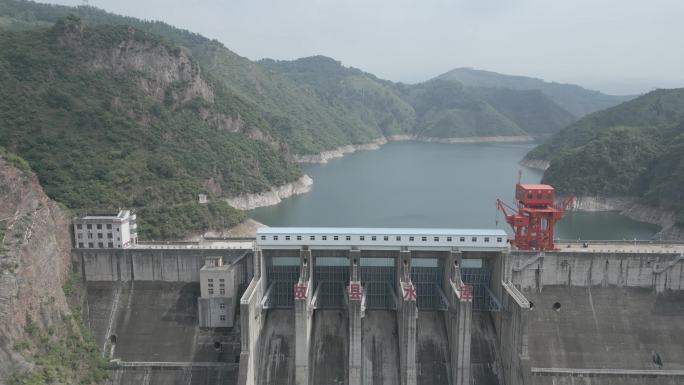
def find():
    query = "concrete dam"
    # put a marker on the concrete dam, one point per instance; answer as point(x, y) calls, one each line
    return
point(392, 306)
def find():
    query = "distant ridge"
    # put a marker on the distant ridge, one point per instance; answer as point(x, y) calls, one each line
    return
point(577, 100)
point(635, 149)
point(433, 109)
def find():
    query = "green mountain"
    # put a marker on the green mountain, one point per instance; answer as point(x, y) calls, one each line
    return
point(299, 120)
point(358, 99)
point(439, 109)
point(314, 104)
point(112, 111)
point(447, 109)
point(529, 109)
point(574, 99)
point(111, 116)
point(633, 149)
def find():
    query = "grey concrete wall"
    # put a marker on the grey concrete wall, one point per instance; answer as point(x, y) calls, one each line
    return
point(173, 376)
point(613, 329)
point(550, 379)
point(379, 352)
point(156, 323)
point(251, 321)
point(276, 349)
point(533, 270)
point(513, 334)
point(432, 349)
point(167, 265)
point(330, 347)
point(210, 312)
point(458, 321)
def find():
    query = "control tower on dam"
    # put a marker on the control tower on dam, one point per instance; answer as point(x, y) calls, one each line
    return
point(453, 306)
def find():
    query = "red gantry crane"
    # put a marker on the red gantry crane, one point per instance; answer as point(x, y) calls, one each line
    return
point(535, 217)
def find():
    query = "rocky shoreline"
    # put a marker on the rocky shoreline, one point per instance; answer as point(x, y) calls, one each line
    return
point(631, 208)
point(273, 196)
point(244, 229)
point(468, 139)
point(339, 152)
point(537, 164)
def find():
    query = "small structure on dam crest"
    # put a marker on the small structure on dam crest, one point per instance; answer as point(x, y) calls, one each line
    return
point(117, 230)
point(535, 217)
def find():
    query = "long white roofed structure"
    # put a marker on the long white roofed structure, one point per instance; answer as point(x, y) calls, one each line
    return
point(381, 238)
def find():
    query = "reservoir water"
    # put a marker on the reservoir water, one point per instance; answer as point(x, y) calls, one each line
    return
point(415, 184)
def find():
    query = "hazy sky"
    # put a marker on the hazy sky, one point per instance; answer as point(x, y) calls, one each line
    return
point(616, 46)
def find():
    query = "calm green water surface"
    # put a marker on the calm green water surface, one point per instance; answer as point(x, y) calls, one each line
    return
point(414, 184)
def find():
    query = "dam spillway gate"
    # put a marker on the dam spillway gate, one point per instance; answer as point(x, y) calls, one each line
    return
point(366, 315)
point(378, 282)
point(331, 276)
point(478, 274)
point(428, 277)
point(281, 275)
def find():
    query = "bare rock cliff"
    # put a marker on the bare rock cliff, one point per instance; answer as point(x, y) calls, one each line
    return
point(166, 74)
point(161, 67)
point(34, 262)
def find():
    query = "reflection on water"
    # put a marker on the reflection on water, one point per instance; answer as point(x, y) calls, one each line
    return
point(603, 225)
point(414, 184)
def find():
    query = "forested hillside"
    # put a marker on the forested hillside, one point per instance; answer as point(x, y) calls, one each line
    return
point(437, 109)
point(315, 104)
point(111, 116)
point(448, 109)
point(574, 99)
point(360, 99)
point(529, 109)
point(306, 122)
point(633, 149)
point(112, 111)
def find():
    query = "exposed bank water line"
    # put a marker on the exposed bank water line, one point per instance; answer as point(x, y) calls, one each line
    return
point(112, 316)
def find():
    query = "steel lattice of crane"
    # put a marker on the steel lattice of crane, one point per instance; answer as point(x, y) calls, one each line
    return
point(536, 215)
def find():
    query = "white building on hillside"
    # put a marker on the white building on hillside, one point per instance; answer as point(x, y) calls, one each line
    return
point(108, 231)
